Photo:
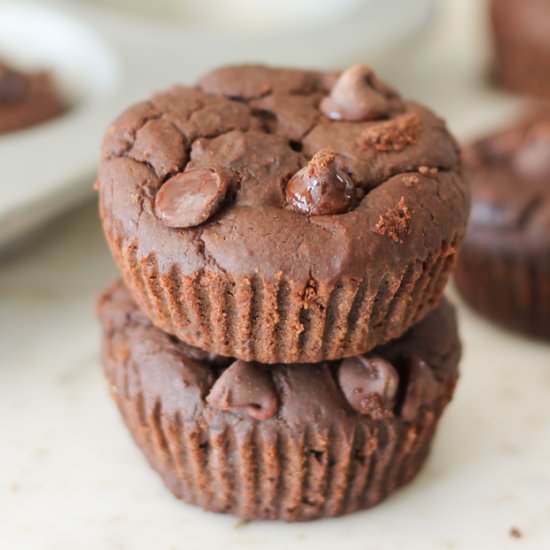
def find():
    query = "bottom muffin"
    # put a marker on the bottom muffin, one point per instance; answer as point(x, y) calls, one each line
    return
point(291, 442)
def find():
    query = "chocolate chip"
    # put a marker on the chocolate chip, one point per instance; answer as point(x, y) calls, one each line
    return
point(321, 188)
point(532, 158)
point(422, 389)
point(369, 384)
point(12, 84)
point(190, 198)
point(245, 387)
point(356, 96)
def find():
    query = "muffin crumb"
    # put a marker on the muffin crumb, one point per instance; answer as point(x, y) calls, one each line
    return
point(410, 180)
point(428, 170)
point(394, 135)
point(395, 222)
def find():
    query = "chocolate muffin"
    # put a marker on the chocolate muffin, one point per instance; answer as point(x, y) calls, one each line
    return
point(504, 267)
point(282, 215)
point(521, 40)
point(294, 442)
point(27, 99)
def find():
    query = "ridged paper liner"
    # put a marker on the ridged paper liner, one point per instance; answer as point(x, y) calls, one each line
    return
point(512, 290)
point(258, 471)
point(283, 321)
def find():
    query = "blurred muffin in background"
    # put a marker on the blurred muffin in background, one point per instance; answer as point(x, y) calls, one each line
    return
point(27, 98)
point(503, 270)
point(521, 38)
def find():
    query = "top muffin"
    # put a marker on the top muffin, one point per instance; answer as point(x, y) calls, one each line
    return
point(283, 215)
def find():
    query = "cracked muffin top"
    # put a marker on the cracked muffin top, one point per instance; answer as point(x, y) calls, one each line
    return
point(260, 170)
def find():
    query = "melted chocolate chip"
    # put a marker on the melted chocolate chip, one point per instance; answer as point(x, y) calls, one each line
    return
point(356, 96)
point(12, 85)
point(190, 198)
point(320, 188)
point(369, 384)
point(422, 389)
point(245, 387)
point(532, 159)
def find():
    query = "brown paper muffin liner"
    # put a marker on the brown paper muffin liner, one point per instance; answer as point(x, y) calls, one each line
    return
point(512, 290)
point(315, 456)
point(258, 473)
point(283, 321)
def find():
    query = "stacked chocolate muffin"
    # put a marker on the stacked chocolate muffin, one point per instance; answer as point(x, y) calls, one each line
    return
point(279, 347)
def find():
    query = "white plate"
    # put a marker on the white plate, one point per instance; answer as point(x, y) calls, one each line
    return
point(48, 167)
point(106, 59)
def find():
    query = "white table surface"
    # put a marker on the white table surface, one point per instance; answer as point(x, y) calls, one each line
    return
point(71, 479)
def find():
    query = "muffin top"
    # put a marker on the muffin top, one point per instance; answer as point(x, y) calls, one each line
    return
point(510, 175)
point(257, 169)
point(397, 380)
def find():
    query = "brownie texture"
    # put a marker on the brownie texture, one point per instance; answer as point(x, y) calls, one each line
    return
point(521, 41)
point(283, 215)
point(504, 267)
point(27, 99)
point(295, 442)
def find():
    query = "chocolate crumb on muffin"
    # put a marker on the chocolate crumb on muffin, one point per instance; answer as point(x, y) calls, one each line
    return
point(291, 442)
point(283, 215)
point(521, 38)
point(27, 99)
point(504, 267)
